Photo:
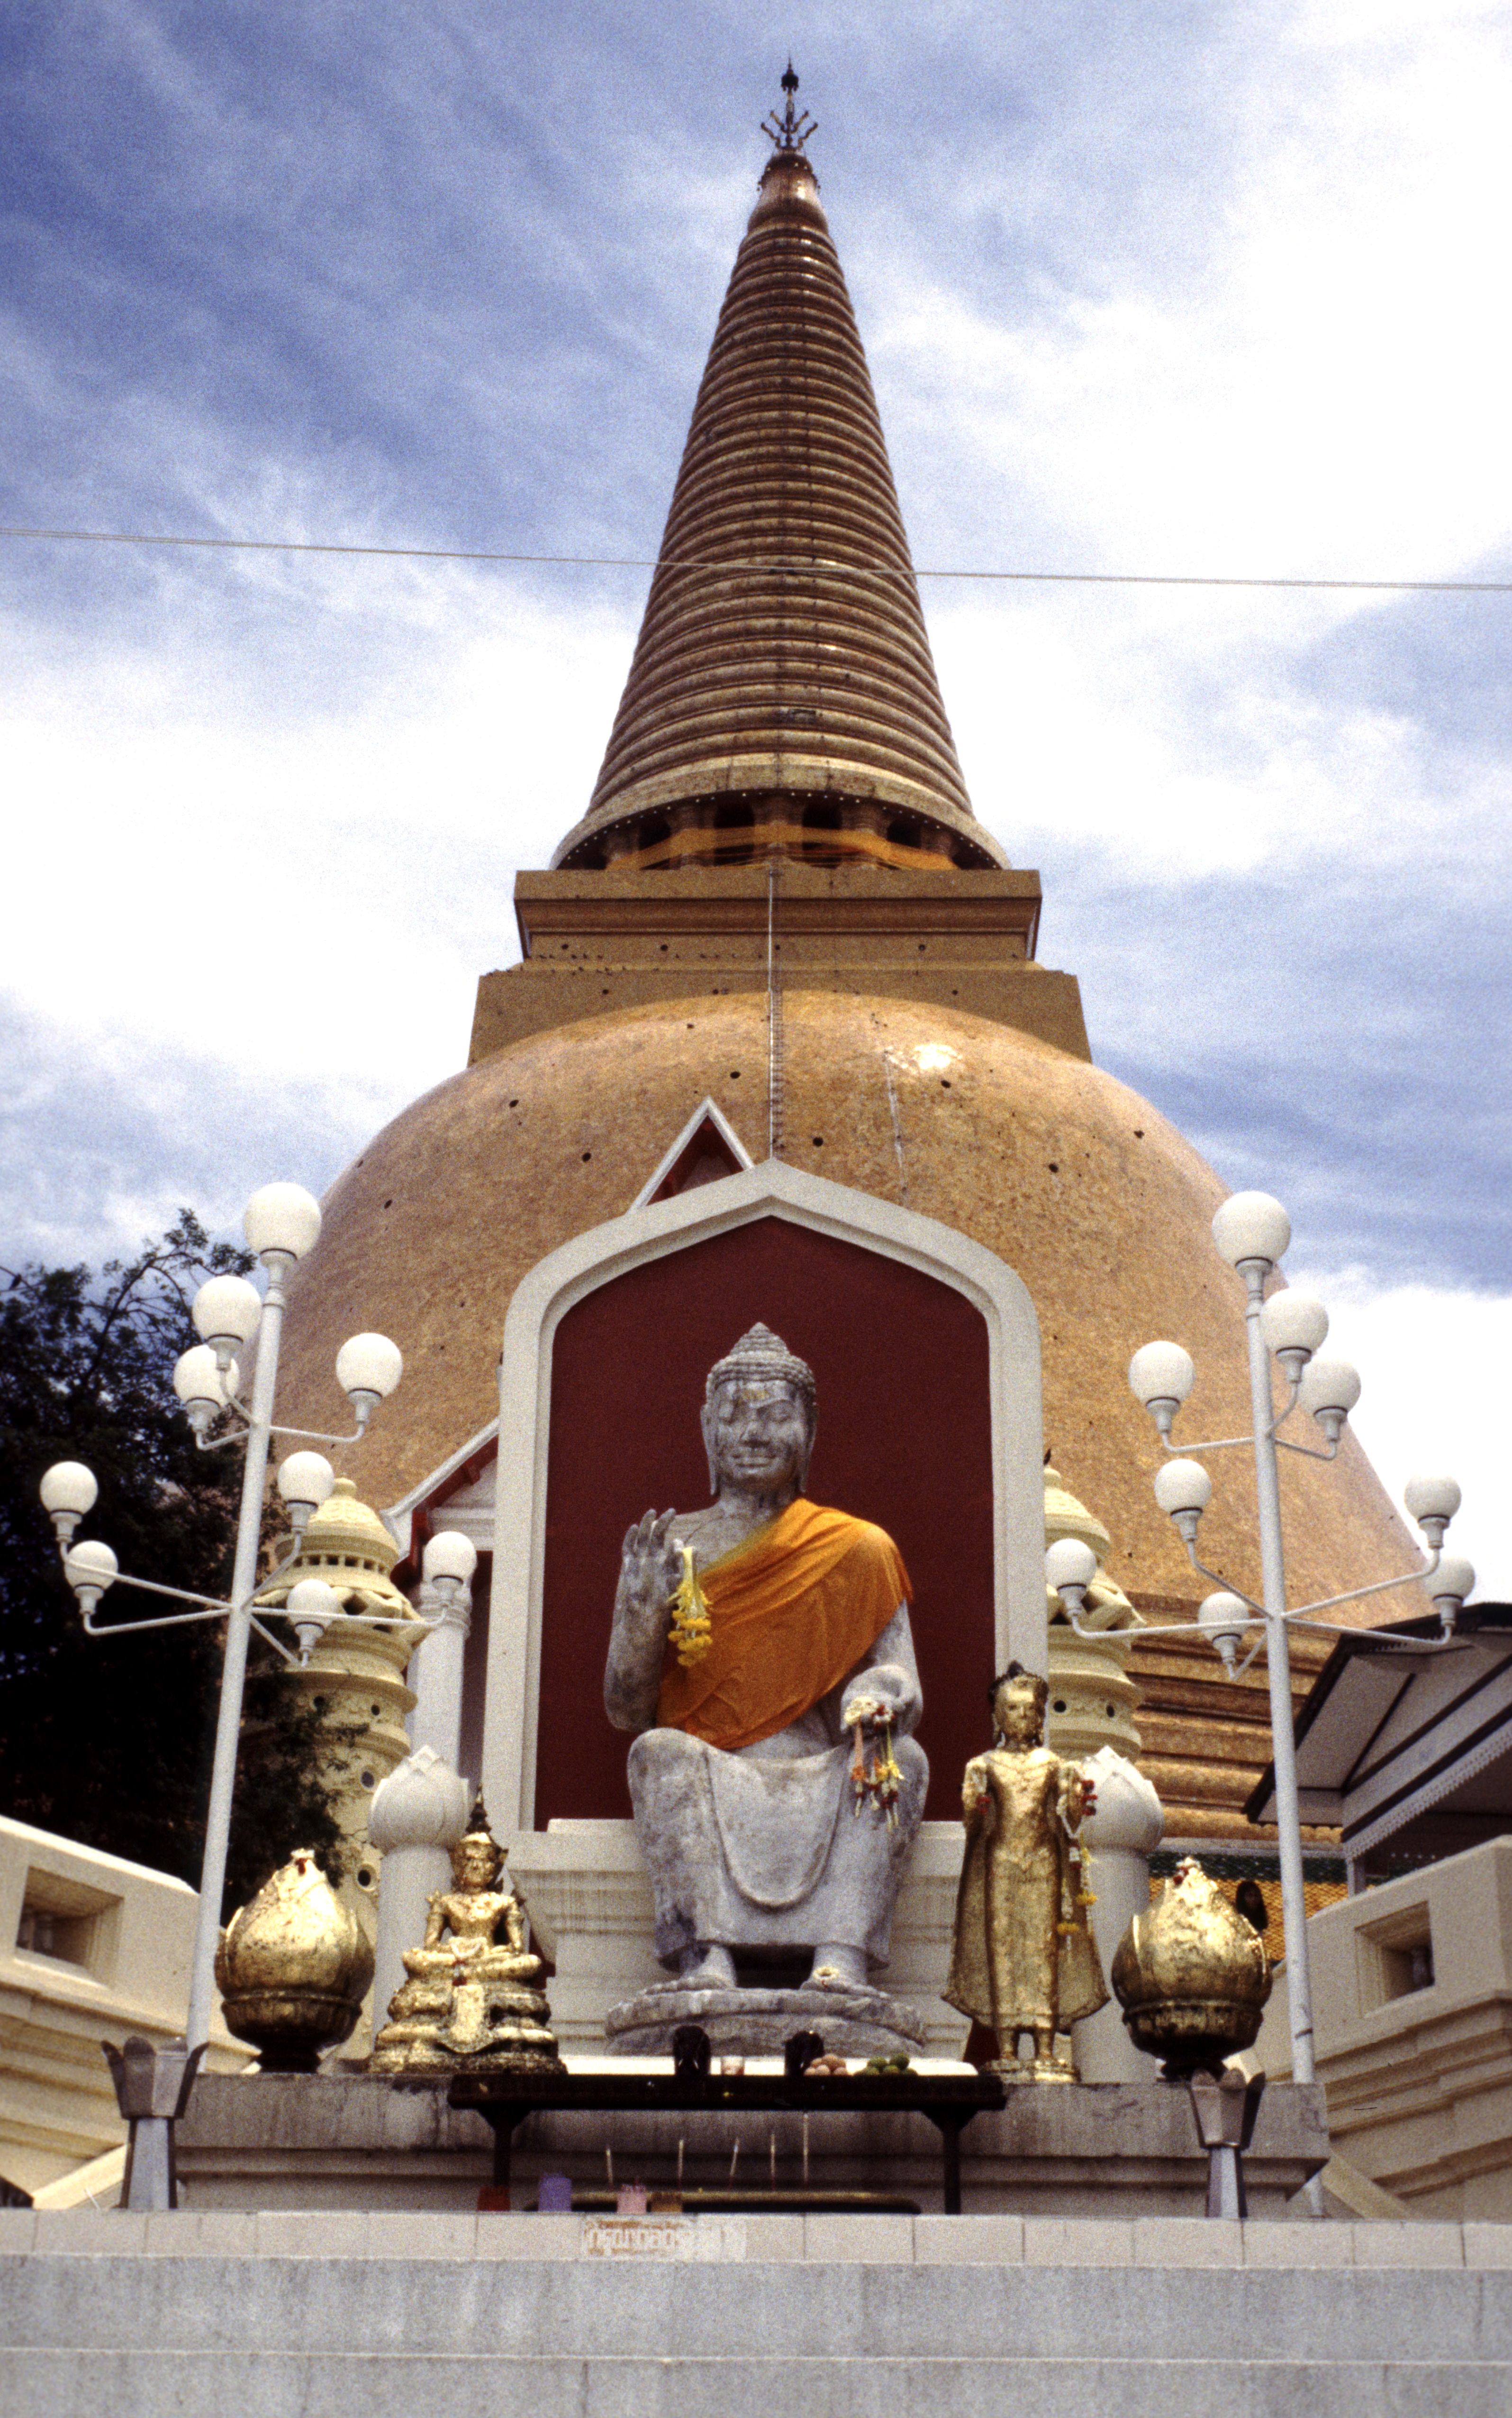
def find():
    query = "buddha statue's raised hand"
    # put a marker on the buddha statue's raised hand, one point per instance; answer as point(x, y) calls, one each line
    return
point(651, 1569)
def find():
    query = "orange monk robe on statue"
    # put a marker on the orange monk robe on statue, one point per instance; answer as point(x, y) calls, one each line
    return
point(794, 1609)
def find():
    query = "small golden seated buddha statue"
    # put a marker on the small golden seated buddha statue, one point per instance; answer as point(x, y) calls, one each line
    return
point(472, 2001)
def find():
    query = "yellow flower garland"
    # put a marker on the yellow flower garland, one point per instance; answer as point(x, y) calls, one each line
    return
point(692, 1632)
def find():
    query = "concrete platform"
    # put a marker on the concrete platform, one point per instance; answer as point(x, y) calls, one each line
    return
point(314, 2315)
point(328, 2141)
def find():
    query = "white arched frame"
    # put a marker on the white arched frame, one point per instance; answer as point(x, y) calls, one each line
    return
point(770, 1189)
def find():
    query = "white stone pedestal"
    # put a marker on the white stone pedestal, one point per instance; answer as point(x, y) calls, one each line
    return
point(1121, 1835)
point(760, 2023)
point(420, 1811)
point(584, 1887)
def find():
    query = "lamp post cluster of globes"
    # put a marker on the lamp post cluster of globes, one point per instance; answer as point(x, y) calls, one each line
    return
point(1288, 1331)
point(282, 1224)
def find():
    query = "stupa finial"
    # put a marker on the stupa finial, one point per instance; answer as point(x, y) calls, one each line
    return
point(783, 701)
point(791, 131)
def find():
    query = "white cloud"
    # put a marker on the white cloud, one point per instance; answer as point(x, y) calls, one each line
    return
point(1434, 1397)
point(1323, 393)
point(310, 895)
point(1097, 725)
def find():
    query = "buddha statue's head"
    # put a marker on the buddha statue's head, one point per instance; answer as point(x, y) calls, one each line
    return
point(1018, 1699)
point(758, 1416)
point(476, 1860)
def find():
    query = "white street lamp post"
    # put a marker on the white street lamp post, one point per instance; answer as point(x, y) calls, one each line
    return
point(283, 1222)
point(238, 1634)
point(417, 1815)
point(1278, 1664)
point(1252, 1231)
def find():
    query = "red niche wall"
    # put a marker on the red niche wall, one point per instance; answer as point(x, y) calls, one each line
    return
point(905, 1439)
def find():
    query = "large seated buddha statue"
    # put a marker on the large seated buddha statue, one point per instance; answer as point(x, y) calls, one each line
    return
point(761, 1655)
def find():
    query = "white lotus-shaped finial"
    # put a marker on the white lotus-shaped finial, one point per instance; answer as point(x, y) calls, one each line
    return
point(422, 1803)
point(1129, 1813)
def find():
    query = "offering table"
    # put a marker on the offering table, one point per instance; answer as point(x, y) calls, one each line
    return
point(948, 2102)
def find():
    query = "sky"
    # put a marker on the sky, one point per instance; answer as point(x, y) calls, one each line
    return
point(1158, 288)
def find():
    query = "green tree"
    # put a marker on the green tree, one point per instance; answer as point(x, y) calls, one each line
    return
point(110, 1743)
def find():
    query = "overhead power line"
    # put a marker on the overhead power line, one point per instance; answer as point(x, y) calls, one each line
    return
point(836, 570)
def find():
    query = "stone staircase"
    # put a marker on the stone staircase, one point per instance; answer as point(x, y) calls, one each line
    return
point(316, 2314)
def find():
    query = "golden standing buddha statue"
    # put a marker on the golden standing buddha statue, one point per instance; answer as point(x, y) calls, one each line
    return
point(1023, 1959)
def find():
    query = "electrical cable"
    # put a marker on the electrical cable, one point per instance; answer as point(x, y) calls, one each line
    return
point(829, 570)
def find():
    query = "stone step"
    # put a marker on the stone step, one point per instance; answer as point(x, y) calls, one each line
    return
point(261, 2383)
point(300, 2313)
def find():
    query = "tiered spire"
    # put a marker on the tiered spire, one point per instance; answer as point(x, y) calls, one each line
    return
point(783, 698)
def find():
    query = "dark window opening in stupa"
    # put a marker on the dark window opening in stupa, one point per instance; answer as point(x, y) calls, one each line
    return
point(823, 822)
point(737, 820)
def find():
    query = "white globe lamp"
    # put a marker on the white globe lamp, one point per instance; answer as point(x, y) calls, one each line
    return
point(449, 1562)
point(204, 1387)
point(1223, 1618)
point(368, 1368)
point(304, 1482)
point(1329, 1390)
point(67, 1490)
point(281, 1221)
point(311, 1607)
point(1251, 1230)
point(1161, 1375)
point(1296, 1326)
point(89, 1569)
point(1184, 1490)
point(1070, 1568)
point(1448, 1585)
point(226, 1311)
point(1432, 1502)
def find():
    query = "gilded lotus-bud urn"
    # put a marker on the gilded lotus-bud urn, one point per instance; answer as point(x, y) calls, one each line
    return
point(293, 1966)
point(1191, 1976)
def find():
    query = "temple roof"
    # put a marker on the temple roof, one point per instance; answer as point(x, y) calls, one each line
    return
point(783, 699)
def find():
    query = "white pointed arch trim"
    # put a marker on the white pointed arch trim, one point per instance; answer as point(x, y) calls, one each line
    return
point(707, 1112)
point(770, 1189)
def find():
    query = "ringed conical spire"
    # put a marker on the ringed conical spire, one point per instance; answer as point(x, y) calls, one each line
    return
point(783, 701)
